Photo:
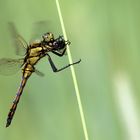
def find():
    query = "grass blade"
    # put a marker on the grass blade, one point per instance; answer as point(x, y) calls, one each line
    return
point(73, 75)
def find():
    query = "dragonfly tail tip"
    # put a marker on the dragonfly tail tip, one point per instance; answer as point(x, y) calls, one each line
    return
point(7, 125)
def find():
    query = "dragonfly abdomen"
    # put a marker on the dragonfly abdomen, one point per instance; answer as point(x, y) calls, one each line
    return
point(15, 102)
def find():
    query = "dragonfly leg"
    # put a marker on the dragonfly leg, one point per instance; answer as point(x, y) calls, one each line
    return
point(57, 70)
point(59, 53)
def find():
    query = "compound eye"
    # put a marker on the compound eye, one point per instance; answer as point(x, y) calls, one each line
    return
point(48, 37)
point(45, 36)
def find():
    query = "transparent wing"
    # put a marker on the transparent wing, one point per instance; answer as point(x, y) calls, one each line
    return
point(39, 28)
point(18, 41)
point(10, 66)
point(39, 73)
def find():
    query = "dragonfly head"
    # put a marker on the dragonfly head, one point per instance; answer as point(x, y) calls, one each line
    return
point(48, 37)
point(59, 43)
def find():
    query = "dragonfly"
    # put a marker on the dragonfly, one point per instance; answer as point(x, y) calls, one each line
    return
point(33, 53)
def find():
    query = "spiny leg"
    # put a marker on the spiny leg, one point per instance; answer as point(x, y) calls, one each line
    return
point(15, 102)
point(59, 53)
point(57, 70)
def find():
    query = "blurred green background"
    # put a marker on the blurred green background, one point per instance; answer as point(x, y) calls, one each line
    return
point(105, 35)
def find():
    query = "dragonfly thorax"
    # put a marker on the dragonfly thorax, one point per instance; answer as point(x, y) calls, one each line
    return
point(35, 42)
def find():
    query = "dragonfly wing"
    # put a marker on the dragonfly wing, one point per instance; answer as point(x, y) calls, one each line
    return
point(10, 66)
point(39, 73)
point(18, 41)
point(39, 28)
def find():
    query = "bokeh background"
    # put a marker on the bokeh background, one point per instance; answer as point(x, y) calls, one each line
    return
point(105, 34)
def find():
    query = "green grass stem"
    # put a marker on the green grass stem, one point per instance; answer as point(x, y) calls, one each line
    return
point(73, 75)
